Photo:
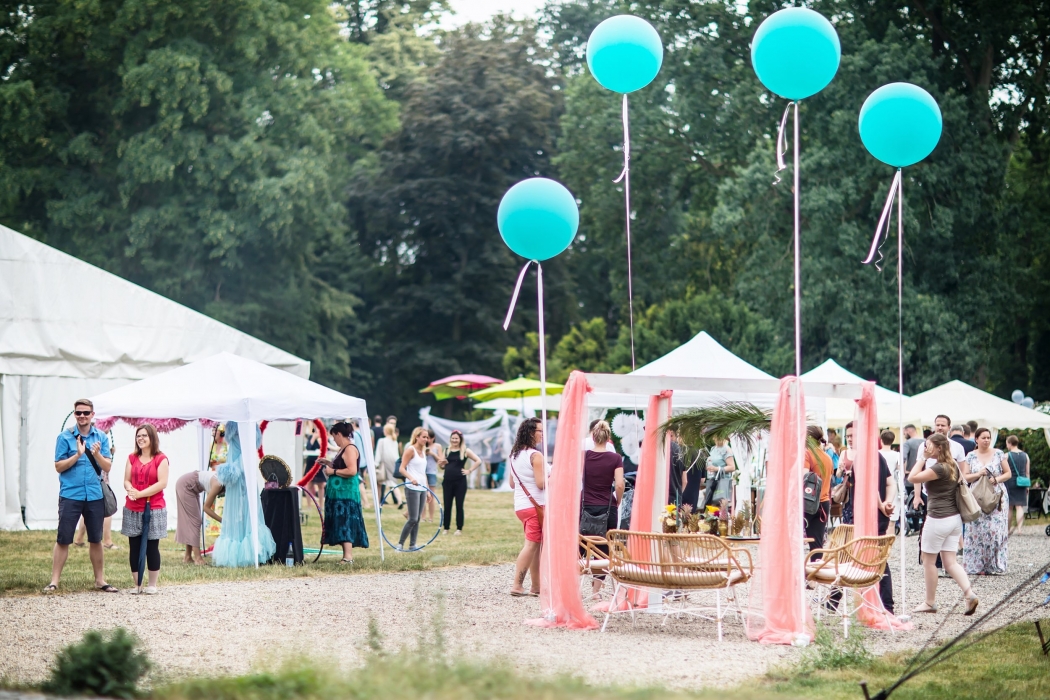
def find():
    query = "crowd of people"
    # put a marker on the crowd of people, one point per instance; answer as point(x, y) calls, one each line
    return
point(930, 467)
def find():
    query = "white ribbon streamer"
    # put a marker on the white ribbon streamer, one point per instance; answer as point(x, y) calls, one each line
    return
point(781, 144)
point(514, 297)
point(879, 239)
point(625, 176)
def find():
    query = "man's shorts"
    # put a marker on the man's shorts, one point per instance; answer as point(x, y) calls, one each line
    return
point(69, 512)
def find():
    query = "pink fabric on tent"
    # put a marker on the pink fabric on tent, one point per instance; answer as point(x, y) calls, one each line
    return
point(782, 616)
point(560, 570)
point(644, 494)
point(866, 505)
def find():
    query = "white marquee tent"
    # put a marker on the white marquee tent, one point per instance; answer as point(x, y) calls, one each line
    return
point(838, 412)
point(70, 330)
point(963, 402)
point(226, 387)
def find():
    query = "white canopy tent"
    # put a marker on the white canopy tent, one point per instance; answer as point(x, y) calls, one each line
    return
point(226, 387)
point(703, 357)
point(69, 330)
point(964, 402)
point(838, 412)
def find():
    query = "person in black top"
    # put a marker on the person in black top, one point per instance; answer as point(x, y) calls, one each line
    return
point(603, 484)
point(887, 497)
point(677, 479)
point(454, 485)
point(377, 430)
point(961, 435)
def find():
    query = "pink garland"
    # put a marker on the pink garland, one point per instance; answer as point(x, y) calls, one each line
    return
point(163, 425)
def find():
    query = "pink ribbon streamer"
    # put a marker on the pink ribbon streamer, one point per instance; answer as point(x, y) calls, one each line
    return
point(877, 241)
point(782, 145)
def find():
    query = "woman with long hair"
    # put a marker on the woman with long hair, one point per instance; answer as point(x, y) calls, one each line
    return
point(236, 545)
point(943, 527)
point(984, 551)
point(414, 471)
point(387, 456)
point(145, 478)
point(454, 485)
point(528, 477)
point(344, 524)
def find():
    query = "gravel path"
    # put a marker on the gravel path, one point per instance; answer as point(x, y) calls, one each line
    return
point(231, 628)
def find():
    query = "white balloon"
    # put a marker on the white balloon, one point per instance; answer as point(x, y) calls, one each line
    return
point(1017, 396)
point(1028, 402)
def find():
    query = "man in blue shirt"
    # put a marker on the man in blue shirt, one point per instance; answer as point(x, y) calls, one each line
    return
point(80, 492)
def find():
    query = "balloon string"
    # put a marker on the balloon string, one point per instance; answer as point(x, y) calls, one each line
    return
point(781, 145)
point(902, 518)
point(625, 176)
point(798, 257)
point(514, 297)
point(884, 220)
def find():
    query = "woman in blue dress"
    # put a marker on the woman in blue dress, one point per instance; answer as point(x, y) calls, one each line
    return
point(234, 546)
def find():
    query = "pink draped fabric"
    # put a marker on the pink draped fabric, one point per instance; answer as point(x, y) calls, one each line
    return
point(163, 425)
point(782, 616)
point(560, 559)
point(866, 505)
point(644, 503)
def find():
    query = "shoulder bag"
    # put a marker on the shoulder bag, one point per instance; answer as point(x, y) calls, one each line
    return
point(1022, 481)
point(987, 493)
point(109, 498)
point(537, 506)
point(594, 525)
point(969, 508)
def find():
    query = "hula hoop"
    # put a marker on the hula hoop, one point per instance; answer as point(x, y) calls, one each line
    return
point(322, 437)
point(320, 516)
point(382, 532)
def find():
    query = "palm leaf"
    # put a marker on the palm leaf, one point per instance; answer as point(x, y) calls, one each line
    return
point(700, 427)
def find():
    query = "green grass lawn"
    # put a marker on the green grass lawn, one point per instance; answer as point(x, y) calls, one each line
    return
point(1006, 666)
point(491, 535)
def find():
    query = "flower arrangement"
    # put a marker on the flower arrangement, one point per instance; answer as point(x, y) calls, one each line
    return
point(680, 520)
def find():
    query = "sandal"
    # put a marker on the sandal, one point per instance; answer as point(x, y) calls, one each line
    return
point(79, 544)
point(346, 561)
point(111, 547)
point(50, 588)
point(106, 588)
point(519, 594)
point(971, 605)
point(924, 608)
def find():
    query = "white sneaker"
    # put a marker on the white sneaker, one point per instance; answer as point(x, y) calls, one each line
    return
point(457, 533)
point(151, 590)
point(136, 591)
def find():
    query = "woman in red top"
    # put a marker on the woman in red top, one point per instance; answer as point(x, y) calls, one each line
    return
point(145, 477)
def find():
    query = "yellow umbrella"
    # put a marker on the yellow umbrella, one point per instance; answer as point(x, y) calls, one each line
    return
point(516, 389)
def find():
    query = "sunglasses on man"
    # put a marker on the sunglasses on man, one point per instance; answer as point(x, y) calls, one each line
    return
point(82, 413)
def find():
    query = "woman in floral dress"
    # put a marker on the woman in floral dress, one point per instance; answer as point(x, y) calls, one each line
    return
point(984, 550)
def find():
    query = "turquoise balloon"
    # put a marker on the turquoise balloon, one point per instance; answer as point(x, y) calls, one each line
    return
point(538, 218)
point(624, 53)
point(796, 52)
point(900, 124)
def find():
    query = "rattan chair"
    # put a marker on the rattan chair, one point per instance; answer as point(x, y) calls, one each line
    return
point(680, 564)
point(593, 562)
point(857, 566)
point(840, 535)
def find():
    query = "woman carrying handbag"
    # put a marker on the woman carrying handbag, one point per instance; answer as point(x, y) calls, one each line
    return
point(602, 491)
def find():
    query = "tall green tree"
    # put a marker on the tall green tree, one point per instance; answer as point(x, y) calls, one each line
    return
point(201, 149)
point(438, 274)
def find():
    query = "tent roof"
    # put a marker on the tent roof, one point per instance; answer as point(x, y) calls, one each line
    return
point(226, 387)
point(702, 356)
point(833, 372)
point(965, 402)
point(60, 316)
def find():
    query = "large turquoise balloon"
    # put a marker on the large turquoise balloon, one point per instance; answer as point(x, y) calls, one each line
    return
point(796, 52)
point(900, 124)
point(624, 53)
point(538, 218)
